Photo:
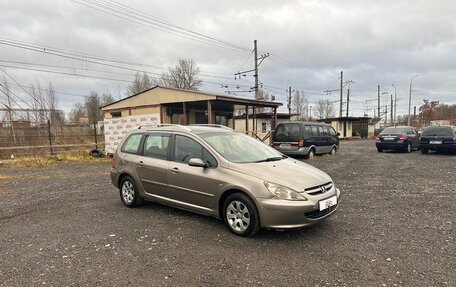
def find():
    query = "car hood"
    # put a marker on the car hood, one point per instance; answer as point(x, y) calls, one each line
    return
point(288, 172)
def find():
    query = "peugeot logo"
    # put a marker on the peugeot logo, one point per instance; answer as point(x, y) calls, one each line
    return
point(323, 189)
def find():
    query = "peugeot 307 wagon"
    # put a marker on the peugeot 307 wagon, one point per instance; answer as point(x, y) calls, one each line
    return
point(216, 171)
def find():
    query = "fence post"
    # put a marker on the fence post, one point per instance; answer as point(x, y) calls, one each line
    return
point(50, 136)
point(95, 129)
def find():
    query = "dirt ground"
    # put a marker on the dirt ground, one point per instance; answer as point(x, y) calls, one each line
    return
point(65, 226)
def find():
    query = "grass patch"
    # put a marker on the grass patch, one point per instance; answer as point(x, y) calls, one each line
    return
point(41, 158)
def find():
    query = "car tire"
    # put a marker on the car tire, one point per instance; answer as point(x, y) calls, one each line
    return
point(379, 149)
point(311, 153)
point(424, 151)
point(240, 215)
point(333, 151)
point(408, 148)
point(129, 193)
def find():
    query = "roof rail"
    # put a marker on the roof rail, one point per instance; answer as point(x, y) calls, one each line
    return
point(213, 125)
point(165, 125)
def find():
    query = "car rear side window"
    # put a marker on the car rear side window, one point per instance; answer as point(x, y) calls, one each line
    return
point(307, 132)
point(437, 131)
point(131, 145)
point(315, 131)
point(156, 146)
point(288, 133)
point(186, 148)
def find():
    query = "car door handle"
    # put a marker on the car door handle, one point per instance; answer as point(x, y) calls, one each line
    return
point(140, 163)
point(175, 170)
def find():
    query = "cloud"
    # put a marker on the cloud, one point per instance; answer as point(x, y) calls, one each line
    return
point(374, 43)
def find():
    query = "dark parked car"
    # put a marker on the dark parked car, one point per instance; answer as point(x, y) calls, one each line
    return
point(398, 138)
point(438, 138)
point(305, 138)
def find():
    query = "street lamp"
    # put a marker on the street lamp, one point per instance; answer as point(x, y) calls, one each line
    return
point(410, 99)
point(395, 103)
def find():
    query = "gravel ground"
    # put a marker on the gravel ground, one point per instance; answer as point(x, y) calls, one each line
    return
point(65, 226)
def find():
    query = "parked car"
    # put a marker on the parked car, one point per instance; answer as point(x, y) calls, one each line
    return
point(439, 139)
point(305, 138)
point(216, 171)
point(397, 138)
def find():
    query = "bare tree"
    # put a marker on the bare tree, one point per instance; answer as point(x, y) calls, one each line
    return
point(324, 109)
point(92, 106)
point(299, 105)
point(39, 103)
point(106, 99)
point(140, 84)
point(184, 76)
point(77, 112)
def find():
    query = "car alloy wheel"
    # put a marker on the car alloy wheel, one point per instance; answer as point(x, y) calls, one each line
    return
point(238, 216)
point(333, 151)
point(241, 215)
point(409, 148)
point(129, 193)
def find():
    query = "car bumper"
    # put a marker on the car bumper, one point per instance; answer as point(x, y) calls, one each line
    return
point(299, 151)
point(114, 177)
point(284, 214)
point(438, 147)
point(392, 145)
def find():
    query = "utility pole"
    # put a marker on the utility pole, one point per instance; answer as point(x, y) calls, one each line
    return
point(378, 95)
point(310, 117)
point(255, 51)
point(348, 101)
point(391, 117)
point(341, 91)
point(395, 103)
point(254, 70)
point(289, 101)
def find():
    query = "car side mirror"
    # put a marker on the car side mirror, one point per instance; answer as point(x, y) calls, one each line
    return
point(197, 162)
point(338, 134)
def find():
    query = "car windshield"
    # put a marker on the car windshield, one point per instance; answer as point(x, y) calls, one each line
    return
point(240, 148)
point(437, 131)
point(394, 131)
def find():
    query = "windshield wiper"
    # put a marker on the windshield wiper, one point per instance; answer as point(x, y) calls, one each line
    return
point(273, 158)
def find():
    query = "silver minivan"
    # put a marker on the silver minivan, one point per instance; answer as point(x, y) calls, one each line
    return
point(216, 171)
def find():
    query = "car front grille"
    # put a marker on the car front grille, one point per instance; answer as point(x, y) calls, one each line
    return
point(316, 214)
point(314, 190)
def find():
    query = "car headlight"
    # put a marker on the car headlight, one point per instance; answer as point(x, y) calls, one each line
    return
point(283, 192)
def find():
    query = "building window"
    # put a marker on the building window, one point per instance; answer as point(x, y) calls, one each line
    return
point(116, 114)
point(263, 127)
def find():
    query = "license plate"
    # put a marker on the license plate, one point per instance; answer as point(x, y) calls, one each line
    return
point(388, 139)
point(435, 142)
point(327, 203)
point(285, 145)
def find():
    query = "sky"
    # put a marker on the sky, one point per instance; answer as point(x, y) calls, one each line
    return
point(309, 43)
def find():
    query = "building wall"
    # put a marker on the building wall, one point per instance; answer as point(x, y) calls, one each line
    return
point(339, 127)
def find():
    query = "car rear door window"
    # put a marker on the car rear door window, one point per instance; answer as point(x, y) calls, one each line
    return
point(315, 131)
point(156, 146)
point(131, 144)
point(186, 148)
point(307, 132)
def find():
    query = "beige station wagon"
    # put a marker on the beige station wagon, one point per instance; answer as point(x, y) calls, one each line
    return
point(216, 171)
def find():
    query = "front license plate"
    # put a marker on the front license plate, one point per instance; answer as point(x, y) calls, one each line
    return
point(285, 145)
point(327, 203)
point(435, 142)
